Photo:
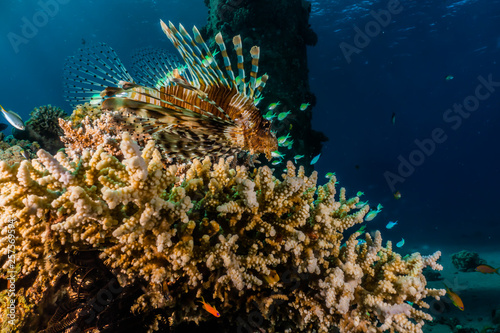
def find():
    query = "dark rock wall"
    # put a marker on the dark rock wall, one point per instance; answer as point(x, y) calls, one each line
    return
point(281, 29)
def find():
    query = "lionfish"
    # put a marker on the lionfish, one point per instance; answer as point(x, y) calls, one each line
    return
point(191, 110)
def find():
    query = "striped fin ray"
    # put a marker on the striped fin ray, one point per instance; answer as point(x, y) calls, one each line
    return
point(177, 98)
point(158, 112)
point(214, 65)
point(227, 63)
point(91, 70)
point(261, 85)
point(199, 57)
point(186, 135)
point(180, 100)
point(255, 53)
point(208, 59)
point(195, 69)
point(241, 69)
point(187, 54)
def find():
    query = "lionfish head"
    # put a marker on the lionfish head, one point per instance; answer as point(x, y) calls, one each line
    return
point(263, 140)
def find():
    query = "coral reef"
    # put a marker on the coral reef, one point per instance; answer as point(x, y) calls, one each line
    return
point(83, 111)
point(13, 150)
point(268, 253)
point(466, 261)
point(43, 127)
point(282, 30)
point(87, 128)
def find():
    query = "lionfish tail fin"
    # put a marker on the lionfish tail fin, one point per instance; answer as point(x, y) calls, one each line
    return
point(90, 71)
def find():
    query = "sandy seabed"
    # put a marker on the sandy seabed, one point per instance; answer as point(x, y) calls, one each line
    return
point(479, 292)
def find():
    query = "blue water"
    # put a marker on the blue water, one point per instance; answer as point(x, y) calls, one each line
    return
point(449, 198)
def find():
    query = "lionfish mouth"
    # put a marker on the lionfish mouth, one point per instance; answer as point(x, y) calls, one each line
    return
point(191, 108)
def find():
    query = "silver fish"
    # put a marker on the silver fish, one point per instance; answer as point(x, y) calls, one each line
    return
point(25, 154)
point(13, 118)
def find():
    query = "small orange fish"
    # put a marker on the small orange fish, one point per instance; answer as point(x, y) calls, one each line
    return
point(272, 278)
point(397, 195)
point(457, 301)
point(312, 235)
point(487, 269)
point(209, 308)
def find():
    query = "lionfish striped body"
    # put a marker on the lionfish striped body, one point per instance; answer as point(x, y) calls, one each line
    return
point(191, 110)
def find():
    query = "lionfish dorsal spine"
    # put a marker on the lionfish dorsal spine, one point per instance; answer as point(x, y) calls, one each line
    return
point(190, 57)
point(227, 63)
point(238, 47)
point(261, 85)
point(213, 64)
point(185, 39)
point(255, 54)
point(193, 62)
point(196, 54)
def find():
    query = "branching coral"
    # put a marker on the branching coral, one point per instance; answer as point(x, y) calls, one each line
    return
point(88, 128)
point(83, 111)
point(87, 134)
point(43, 127)
point(44, 119)
point(247, 242)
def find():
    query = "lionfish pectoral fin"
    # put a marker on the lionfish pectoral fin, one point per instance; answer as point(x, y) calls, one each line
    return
point(91, 70)
point(154, 67)
point(135, 124)
point(185, 144)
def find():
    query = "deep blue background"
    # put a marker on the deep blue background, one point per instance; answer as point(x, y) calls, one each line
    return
point(450, 199)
